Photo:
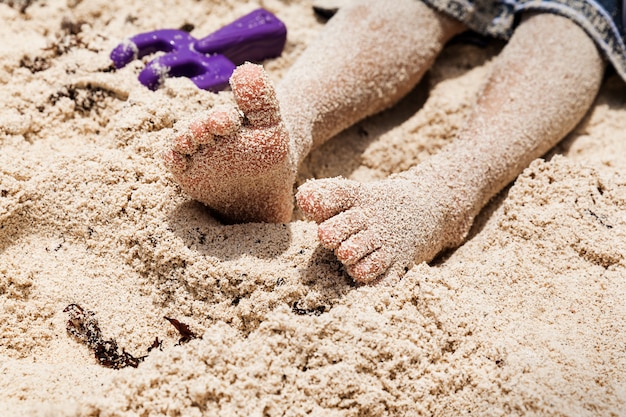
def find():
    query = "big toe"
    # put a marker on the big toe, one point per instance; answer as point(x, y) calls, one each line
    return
point(319, 200)
point(255, 95)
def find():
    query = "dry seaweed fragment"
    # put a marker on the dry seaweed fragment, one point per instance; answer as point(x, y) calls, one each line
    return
point(108, 354)
point(185, 332)
point(86, 98)
point(84, 327)
point(316, 311)
point(156, 344)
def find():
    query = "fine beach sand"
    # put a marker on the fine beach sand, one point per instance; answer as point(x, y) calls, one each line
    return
point(526, 318)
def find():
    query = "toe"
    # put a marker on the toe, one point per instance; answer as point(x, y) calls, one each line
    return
point(339, 228)
point(221, 121)
point(322, 199)
point(371, 268)
point(174, 161)
point(185, 144)
point(255, 95)
point(357, 247)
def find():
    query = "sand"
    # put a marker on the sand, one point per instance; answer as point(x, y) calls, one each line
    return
point(525, 318)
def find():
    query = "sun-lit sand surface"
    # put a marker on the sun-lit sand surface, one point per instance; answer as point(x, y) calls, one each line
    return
point(525, 318)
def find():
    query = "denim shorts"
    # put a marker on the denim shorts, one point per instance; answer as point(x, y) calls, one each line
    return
point(603, 20)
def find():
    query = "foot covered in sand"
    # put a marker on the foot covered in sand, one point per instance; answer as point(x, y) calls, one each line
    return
point(379, 229)
point(236, 160)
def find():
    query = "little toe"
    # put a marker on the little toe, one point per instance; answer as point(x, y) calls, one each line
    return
point(371, 268)
point(340, 227)
point(358, 246)
point(255, 95)
point(174, 161)
point(221, 121)
point(322, 199)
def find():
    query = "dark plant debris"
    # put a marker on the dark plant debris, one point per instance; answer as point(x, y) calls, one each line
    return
point(67, 38)
point(86, 99)
point(598, 218)
point(185, 332)
point(316, 311)
point(34, 64)
point(157, 344)
point(83, 325)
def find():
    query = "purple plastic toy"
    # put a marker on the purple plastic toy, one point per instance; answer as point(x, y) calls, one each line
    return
point(210, 61)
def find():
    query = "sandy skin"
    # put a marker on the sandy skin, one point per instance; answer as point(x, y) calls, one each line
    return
point(237, 161)
point(241, 161)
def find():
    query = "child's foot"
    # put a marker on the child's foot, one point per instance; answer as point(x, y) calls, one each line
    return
point(236, 161)
point(380, 228)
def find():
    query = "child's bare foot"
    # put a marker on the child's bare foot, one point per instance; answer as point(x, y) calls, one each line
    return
point(380, 228)
point(237, 161)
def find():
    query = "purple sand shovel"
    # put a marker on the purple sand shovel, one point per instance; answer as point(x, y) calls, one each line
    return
point(208, 62)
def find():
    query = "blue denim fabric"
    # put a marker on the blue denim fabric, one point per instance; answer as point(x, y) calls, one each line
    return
point(603, 20)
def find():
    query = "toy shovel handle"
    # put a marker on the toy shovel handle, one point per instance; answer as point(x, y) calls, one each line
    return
point(165, 40)
point(254, 37)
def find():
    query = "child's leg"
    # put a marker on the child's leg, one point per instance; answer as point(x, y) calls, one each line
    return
point(542, 85)
point(369, 55)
